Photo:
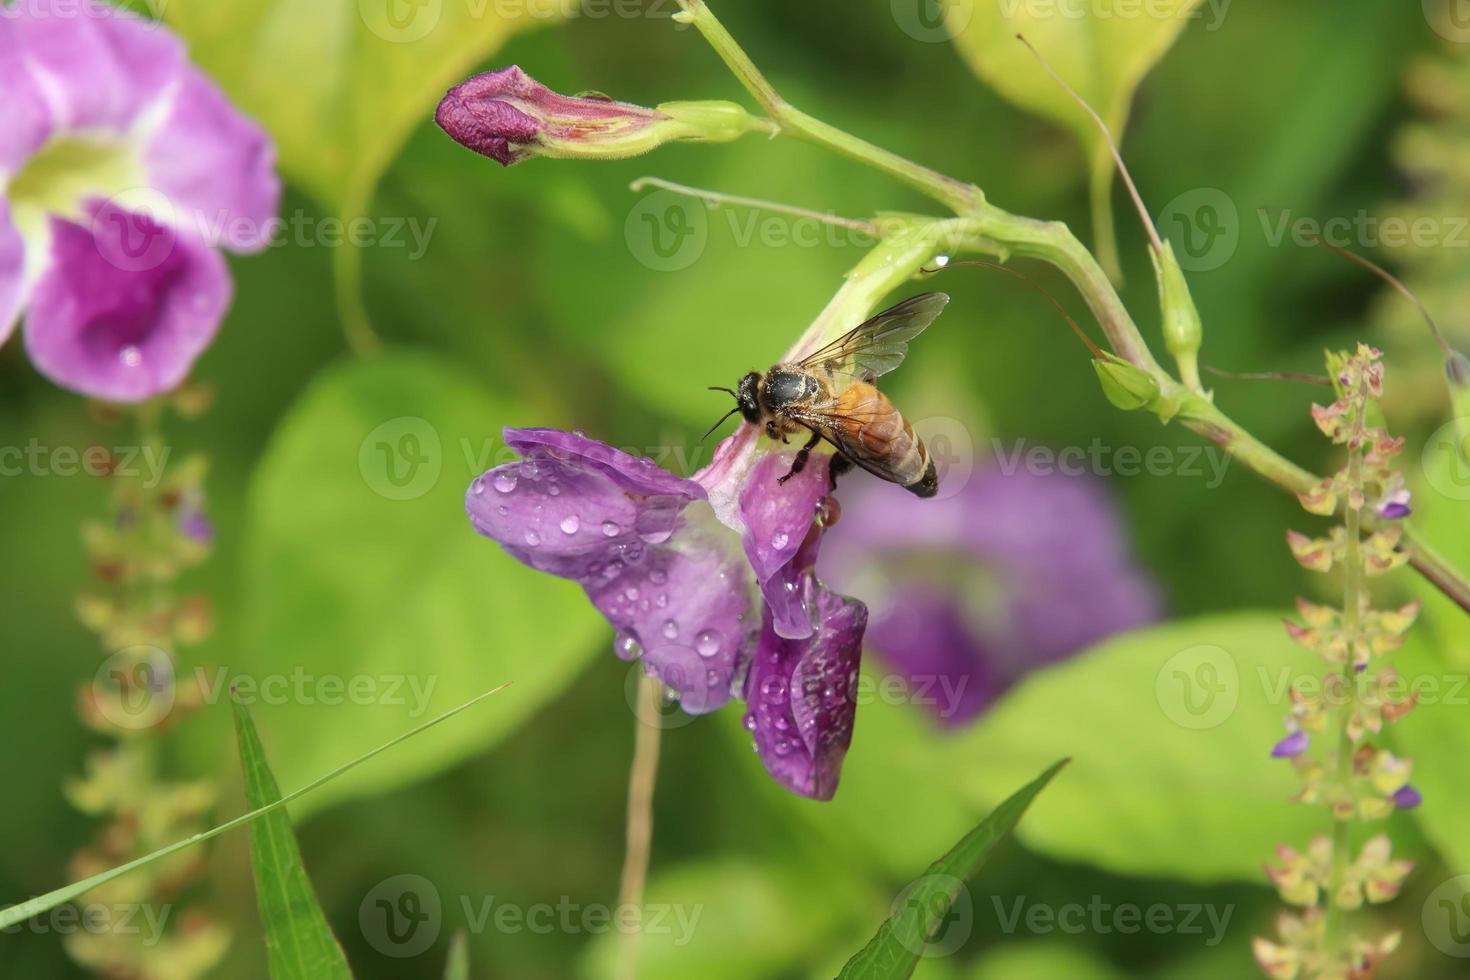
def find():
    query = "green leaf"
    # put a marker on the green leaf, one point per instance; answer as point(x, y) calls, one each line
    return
point(895, 951)
point(729, 920)
point(340, 84)
point(361, 569)
point(299, 943)
point(458, 967)
point(1043, 960)
point(1103, 49)
point(15, 914)
point(1171, 730)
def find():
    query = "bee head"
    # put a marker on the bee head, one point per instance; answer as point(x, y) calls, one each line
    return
point(745, 397)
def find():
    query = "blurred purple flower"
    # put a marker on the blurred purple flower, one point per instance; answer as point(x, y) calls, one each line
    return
point(1007, 574)
point(123, 166)
point(1407, 797)
point(672, 579)
point(1291, 746)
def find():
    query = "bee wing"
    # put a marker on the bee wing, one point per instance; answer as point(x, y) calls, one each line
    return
point(877, 346)
point(841, 429)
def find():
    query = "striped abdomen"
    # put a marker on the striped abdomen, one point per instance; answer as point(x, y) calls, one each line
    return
point(880, 439)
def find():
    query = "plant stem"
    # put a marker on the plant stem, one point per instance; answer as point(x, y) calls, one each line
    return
point(642, 777)
point(1351, 624)
point(994, 231)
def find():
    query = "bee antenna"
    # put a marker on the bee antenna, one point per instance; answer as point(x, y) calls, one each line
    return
point(729, 391)
point(721, 422)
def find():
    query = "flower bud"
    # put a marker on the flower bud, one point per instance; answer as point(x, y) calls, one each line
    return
point(1182, 329)
point(507, 116)
point(1126, 386)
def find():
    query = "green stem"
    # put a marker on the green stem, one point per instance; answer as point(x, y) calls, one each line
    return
point(1351, 622)
point(991, 230)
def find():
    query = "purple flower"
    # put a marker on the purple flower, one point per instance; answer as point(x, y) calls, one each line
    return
point(1407, 797)
point(1291, 746)
point(507, 116)
point(1005, 574)
point(122, 166)
point(681, 589)
point(1395, 506)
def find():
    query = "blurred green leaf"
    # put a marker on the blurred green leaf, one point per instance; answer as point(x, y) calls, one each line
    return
point(341, 83)
point(1043, 960)
point(366, 588)
point(899, 943)
point(1102, 50)
point(1171, 729)
point(727, 920)
point(298, 941)
point(1436, 657)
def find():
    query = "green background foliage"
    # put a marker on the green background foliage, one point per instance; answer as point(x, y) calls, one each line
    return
point(531, 304)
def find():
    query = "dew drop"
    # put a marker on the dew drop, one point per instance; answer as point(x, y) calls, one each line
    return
point(478, 486)
point(570, 524)
point(780, 540)
point(505, 482)
point(707, 643)
point(671, 630)
point(783, 746)
point(658, 576)
point(503, 510)
point(749, 721)
point(626, 645)
point(631, 592)
point(661, 600)
point(610, 529)
point(782, 724)
point(712, 678)
point(130, 355)
point(774, 688)
point(532, 538)
point(554, 489)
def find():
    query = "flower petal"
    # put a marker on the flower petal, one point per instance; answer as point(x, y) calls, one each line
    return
point(803, 697)
point(635, 474)
point(664, 573)
point(927, 640)
point(216, 165)
point(12, 271)
point(97, 67)
point(777, 518)
point(125, 306)
point(25, 119)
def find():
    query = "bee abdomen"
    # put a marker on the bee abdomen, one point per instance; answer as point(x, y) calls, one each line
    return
point(887, 440)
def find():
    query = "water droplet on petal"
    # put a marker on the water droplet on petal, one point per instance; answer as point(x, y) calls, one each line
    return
point(661, 600)
point(671, 629)
point(570, 524)
point(131, 356)
point(780, 540)
point(658, 576)
point(631, 592)
point(505, 482)
point(707, 643)
point(503, 510)
point(532, 538)
point(610, 529)
point(478, 486)
point(554, 489)
point(783, 746)
point(626, 645)
point(712, 678)
point(749, 721)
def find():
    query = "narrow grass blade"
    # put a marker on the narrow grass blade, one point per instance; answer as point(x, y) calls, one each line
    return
point(894, 952)
point(458, 967)
point(15, 914)
point(299, 944)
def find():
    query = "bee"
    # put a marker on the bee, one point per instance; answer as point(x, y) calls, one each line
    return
point(831, 394)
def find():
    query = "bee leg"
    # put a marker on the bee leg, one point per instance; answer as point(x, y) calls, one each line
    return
point(840, 464)
point(799, 463)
